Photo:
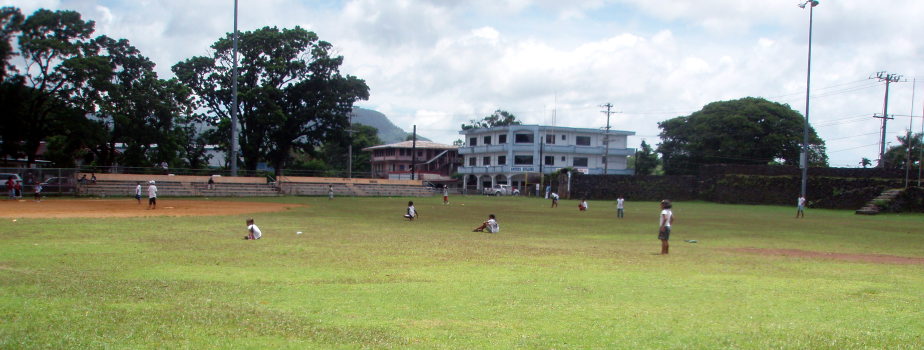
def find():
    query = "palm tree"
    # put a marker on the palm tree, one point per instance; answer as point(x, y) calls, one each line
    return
point(865, 162)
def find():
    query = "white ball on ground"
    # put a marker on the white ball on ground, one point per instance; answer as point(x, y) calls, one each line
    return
point(298, 232)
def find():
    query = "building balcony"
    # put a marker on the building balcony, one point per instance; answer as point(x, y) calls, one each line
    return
point(483, 149)
point(546, 169)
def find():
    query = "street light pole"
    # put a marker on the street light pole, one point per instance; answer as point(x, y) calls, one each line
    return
point(803, 161)
point(234, 146)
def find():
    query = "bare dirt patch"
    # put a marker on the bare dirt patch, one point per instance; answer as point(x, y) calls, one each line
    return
point(109, 208)
point(852, 257)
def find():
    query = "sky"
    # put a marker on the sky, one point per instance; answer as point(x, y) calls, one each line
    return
point(439, 63)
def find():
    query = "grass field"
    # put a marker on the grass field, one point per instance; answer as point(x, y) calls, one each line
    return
point(362, 277)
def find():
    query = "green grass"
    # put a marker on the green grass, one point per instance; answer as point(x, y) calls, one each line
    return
point(362, 277)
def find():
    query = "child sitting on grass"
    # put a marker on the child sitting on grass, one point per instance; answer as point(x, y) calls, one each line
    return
point(583, 205)
point(490, 225)
point(411, 212)
point(253, 232)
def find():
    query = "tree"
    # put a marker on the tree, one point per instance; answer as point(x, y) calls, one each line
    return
point(646, 161)
point(334, 152)
point(63, 69)
point(896, 156)
point(10, 22)
point(744, 131)
point(498, 118)
point(865, 162)
point(292, 95)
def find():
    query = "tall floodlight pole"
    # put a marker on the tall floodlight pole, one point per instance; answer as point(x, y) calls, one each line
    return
point(803, 161)
point(234, 146)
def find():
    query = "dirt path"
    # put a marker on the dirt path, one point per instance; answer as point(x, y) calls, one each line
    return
point(109, 208)
point(866, 258)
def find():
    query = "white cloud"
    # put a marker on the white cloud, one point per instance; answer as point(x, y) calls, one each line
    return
point(437, 63)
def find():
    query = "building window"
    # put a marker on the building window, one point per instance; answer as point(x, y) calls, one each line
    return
point(473, 141)
point(471, 161)
point(582, 140)
point(550, 139)
point(580, 161)
point(501, 160)
point(401, 167)
point(563, 159)
point(522, 160)
point(549, 160)
point(501, 139)
point(487, 140)
point(523, 138)
point(564, 137)
point(420, 153)
point(486, 161)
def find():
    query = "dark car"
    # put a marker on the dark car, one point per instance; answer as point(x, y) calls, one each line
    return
point(58, 185)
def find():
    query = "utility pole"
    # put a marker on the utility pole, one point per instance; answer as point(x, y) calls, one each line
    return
point(606, 138)
point(908, 142)
point(234, 145)
point(888, 78)
point(350, 148)
point(414, 154)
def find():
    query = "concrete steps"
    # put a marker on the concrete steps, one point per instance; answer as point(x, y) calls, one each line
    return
point(873, 207)
point(178, 189)
point(358, 190)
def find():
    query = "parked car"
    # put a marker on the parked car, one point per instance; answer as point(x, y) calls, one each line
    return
point(501, 190)
point(58, 185)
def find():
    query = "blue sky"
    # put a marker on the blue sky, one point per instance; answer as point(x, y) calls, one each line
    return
point(439, 63)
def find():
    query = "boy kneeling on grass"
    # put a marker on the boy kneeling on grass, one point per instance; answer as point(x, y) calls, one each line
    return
point(253, 232)
point(490, 225)
point(411, 211)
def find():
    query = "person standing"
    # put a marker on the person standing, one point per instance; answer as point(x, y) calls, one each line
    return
point(665, 220)
point(138, 192)
point(152, 195)
point(211, 183)
point(800, 207)
point(330, 192)
point(11, 187)
point(445, 194)
point(620, 212)
point(548, 190)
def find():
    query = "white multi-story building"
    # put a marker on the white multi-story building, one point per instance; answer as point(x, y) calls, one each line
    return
point(506, 154)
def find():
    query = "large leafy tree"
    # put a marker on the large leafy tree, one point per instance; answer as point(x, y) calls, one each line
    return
point(498, 118)
point(744, 131)
point(61, 67)
point(10, 22)
point(646, 160)
point(335, 151)
point(896, 156)
point(292, 95)
point(141, 110)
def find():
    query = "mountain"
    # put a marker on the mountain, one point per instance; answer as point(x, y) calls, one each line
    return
point(388, 132)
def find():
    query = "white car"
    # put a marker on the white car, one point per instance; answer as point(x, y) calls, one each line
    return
point(501, 190)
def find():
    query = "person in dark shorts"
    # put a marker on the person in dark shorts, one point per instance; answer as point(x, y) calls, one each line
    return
point(665, 221)
point(152, 195)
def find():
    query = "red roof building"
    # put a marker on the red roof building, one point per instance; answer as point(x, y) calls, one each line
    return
point(433, 161)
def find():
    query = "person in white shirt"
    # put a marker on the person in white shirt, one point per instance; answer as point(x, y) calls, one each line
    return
point(554, 197)
point(583, 205)
point(620, 212)
point(152, 195)
point(253, 232)
point(411, 212)
point(666, 219)
point(138, 192)
point(445, 194)
point(491, 225)
point(800, 207)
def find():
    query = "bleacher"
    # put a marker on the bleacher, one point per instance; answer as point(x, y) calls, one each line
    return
point(108, 185)
point(318, 186)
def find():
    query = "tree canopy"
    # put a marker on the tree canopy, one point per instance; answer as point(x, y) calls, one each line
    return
point(744, 131)
point(292, 95)
point(646, 161)
point(896, 156)
point(498, 118)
